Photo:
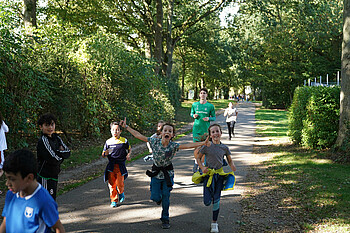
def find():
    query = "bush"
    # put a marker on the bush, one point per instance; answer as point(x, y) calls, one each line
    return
point(314, 116)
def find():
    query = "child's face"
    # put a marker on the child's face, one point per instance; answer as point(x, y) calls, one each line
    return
point(116, 131)
point(167, 132)
point(48, 129)
point(215, 133)
point(15, 182)
point(159, 126)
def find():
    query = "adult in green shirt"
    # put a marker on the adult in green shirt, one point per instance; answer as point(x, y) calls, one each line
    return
point(203, 113)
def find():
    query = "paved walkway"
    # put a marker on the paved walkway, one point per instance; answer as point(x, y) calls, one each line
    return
point(86, 209)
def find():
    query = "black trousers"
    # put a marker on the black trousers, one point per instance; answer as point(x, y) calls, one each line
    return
point(50, 185)
point(231, 128)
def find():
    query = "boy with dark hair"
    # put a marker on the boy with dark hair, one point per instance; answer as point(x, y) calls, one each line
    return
point(51, 151)
point(28, 206)
point(118, 150)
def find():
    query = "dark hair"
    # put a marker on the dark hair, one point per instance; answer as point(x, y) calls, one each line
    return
point(203, 89)
point(22, 161)
point(211, 126)
point(47, 118)
point(169, 124)
point(116, 123)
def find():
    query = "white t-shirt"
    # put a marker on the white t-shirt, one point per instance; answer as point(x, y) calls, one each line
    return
point(231, 114)
point(4, 129)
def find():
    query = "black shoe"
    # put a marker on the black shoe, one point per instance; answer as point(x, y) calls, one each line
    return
point(159, 202)
point(165, 224)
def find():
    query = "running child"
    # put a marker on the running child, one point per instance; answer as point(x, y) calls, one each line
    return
point(51, 152)
point(28, 206)
point(214, 178)
point(118, 150)
point(162, 174)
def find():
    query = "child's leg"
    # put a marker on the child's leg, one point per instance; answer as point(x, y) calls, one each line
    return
point(166, 199)
point(219, 183)
point(2, 159)
point(112, 185)
point(229, 129)
point(50, 185)
point(155, 187)
point(207, 192)
point(120, 180)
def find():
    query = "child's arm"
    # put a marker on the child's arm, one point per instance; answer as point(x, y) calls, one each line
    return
point(3, 226)
point(135, 133)
point(128, 155)
point(230, 162)
point(199, 157)
point(195, 144)
point(58, 227)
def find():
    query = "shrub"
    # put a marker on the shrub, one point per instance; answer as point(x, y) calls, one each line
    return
point(314, 116)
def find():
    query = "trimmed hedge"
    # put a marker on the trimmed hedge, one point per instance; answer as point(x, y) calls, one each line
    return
point(314, 116)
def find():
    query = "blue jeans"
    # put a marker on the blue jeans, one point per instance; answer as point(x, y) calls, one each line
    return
point(161, 192)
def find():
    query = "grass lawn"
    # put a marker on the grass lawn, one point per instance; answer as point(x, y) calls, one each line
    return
point(318, 187)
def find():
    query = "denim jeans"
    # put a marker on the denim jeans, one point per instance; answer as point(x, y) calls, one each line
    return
point(161, 192)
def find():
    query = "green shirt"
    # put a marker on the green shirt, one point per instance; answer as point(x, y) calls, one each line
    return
point(200, 127)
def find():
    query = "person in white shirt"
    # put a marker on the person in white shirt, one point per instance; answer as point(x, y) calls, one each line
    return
point(231, 114)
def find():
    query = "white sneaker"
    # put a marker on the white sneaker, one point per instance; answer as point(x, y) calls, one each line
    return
point(214, 227)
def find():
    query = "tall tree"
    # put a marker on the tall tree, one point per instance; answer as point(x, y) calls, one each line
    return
point(344, 122)
point(29, 15)
point(143, 24)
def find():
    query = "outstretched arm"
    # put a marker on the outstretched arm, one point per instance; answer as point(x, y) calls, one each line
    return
point(194, 144)
point(135, 133)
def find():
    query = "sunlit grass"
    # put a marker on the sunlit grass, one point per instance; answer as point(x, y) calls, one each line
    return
point(317, 186)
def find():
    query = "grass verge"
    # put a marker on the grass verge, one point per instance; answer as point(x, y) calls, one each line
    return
point(317, 187)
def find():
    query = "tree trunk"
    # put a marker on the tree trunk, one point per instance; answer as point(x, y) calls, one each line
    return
point(29, 15)
point(158, 37)
point(344, 121)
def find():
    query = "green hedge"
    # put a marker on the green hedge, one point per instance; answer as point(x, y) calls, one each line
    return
point(314, 116)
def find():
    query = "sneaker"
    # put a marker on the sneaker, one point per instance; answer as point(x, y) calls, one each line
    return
point(114, 204)
point(165, 224)
point(121, 197)
point(214, 227)
point(148, 158)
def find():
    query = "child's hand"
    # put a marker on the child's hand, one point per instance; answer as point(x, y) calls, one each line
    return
point(128, 157)
point(233, 167)
point(204, 169)
point(207, 142)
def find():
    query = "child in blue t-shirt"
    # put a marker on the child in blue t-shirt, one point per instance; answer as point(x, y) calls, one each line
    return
point(162, 174)
point(28, 206)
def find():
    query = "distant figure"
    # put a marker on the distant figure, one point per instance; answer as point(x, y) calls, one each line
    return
point(118, 150)
point(28, 206)
point(231, 114)
point(203, 113)
point(51, 152)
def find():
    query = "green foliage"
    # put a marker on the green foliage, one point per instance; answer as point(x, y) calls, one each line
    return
point(314, 116)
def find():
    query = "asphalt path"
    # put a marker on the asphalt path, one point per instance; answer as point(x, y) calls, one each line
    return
point(86, 208)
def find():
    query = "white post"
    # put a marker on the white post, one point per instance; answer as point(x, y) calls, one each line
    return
point(309, 82)
point(327, 79)
point(315, 81)
point(320, 80)
point(338, 78)
point(304, 82)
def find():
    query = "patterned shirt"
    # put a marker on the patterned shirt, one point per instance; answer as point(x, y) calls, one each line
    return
point(162, 156)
